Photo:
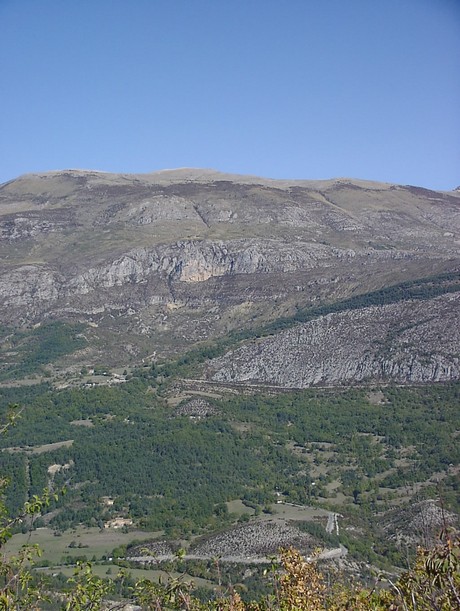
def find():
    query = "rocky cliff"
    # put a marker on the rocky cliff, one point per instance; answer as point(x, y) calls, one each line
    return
point(158, 262)
point(409, 341)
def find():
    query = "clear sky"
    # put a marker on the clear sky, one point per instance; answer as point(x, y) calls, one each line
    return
point(278, 88)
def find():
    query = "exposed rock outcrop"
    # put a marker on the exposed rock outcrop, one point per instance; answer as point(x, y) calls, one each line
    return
point(412, 341)
point(172, 258)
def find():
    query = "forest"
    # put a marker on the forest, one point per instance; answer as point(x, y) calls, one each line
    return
point(171, 472)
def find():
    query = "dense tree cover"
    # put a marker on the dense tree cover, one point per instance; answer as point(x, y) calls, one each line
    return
point(167, 471)
point(14, 472)
point(173, 472)
point(424, 419)
point(40, 346)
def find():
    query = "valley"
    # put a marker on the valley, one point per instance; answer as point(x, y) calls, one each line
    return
point(226, 364)
point(211, 469)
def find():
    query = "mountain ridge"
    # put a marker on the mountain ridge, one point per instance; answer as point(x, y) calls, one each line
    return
point(192, 174)
point(161, 262)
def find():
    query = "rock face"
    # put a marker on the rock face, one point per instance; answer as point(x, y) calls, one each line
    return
point(255, 540)
point(419, 523)
point(410, 341)
point(158, 262)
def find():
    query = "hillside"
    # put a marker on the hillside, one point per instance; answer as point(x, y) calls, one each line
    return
point(408, 341)
point(140, 265)
point(228, 364)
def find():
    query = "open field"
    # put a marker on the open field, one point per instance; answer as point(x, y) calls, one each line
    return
point(46, 447)
point(297, 512)
point(239, 508)
point(101, 570)
point(89, 542)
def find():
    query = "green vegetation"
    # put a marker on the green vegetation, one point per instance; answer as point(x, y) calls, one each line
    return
point(171, 473)
point(338, 449)
point(424, 288)
point(421, 289)
point(26, 352)
point(175, 473)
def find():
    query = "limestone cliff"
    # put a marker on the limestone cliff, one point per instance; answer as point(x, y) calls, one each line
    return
point(411, 341)
point(164, 260)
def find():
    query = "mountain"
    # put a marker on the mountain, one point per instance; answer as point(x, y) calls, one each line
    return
point(401, 342)
point(231, 301)
point(124, 267)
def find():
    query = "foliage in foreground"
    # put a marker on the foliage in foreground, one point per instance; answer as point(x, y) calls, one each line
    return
point(297, 584)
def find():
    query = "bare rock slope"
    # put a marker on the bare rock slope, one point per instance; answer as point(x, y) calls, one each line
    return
point(155, 263)
point(409, 341)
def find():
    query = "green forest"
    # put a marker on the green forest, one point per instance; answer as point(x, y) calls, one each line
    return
point(173, 472)
point(364, 453)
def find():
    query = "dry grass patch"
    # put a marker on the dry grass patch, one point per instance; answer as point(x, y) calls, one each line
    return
point(90, 542)
point(46, 447)
point(87, 422)
point(238, 507)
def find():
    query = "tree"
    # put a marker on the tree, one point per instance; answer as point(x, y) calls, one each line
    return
point(298, 584)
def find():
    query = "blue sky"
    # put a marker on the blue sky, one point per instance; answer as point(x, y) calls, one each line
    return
point(282, 89)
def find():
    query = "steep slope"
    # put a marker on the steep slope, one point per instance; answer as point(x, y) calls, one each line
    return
point(158, 262)
point(409, 341)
